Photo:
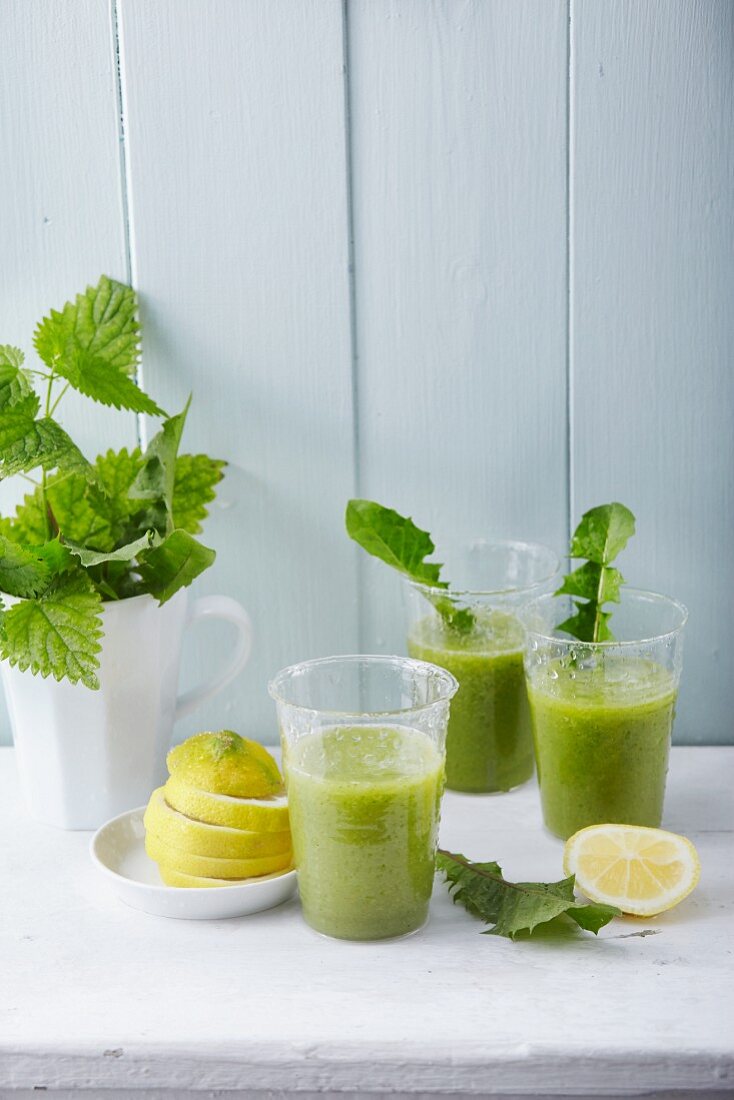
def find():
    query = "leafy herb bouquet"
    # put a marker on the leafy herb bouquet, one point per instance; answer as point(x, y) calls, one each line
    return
point(90, 532)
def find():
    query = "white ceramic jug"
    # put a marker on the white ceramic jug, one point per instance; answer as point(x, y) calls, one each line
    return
point(84, 756)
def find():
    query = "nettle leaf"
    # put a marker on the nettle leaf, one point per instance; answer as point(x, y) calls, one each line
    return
point(193, 489)
point(24, 571)
point(102, 322)
point(95, 378)
point(110, 497)
point(26, 443)
point(57, 634)
point(94, 343)
point(602, 534)
point(67, 496)
point(396, 540)
point(511, 908)
point(15, 383)
point(126, 553)
point(155, 480)
point(174, 564)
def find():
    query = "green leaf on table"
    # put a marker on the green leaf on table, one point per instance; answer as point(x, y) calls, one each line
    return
point(397, 541)
point(193, 489)
point(174, 564)
point(127, 553)
point(15, 383)
point(155, 480)
point(27, 443)
point(600, 536)
point(58, 633)
point(514, 907)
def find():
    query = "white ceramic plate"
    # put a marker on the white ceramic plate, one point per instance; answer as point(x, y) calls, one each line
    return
point(118, 851)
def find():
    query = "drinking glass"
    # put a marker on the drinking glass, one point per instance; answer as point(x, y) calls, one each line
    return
point(489, 745)
point(363, 756)
point(603, 712)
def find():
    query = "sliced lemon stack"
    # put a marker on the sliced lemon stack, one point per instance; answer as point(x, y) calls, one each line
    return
point(222, 816)
point(642, 871)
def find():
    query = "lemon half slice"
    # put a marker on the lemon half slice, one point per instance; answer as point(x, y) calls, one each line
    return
point(642, 871)
point(172, 877)
point(259, 815)
point(212, 867)
point(198, 838)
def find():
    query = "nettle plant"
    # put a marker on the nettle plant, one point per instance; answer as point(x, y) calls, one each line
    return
point(89, 532)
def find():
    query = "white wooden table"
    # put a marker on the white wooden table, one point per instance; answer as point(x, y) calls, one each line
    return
point(95, 996)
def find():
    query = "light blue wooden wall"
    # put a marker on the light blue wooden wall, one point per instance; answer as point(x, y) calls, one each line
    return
point(473, 258)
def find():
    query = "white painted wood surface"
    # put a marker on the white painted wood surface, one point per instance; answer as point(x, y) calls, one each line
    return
point(97, 996)
point(239, 228)
point(652, 333)
point(459, 191)
point(536, 198)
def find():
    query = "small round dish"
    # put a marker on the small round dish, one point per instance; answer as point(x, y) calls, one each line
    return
point(118, 851)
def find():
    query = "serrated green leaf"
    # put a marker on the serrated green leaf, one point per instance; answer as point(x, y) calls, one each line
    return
point(174, 564)
point(26, 443)
point(601, 534)
point(58, 633)
point(155, 480)
point(126, 553)
point(23, 571)
point(514, 907)
point(93, 343)
point(397, 541)
point(193, 489)
point(104, 383)
point(102, 322)
point(589, 624)
point(68, 498)
point(592, 581)
point(15, 383)
point(109, 498)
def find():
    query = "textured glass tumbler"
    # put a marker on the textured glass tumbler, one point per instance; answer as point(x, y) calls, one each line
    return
point(363, 756)
point(603, 712)
point(489, 746)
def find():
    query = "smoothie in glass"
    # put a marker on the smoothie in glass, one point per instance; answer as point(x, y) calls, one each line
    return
point(365, 828)
point(364, 745)
point(489, 744)
point(602, 738)
point(602, 712)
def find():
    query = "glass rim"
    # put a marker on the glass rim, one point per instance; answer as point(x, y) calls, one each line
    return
point(512, 590)
point(450, 683)
point(643, 593)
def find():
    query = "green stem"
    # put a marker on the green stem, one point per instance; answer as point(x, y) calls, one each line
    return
point(44, 502)
point(56, 402)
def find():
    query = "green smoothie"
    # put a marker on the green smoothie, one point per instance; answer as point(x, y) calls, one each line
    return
point(364, 808)
point(489, 745)
point(602, 737)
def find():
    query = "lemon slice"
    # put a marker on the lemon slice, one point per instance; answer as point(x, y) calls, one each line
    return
point(226, 763)
point(260, 815)
point(197, 838)
point(172, 877)
point(209, 866)
point(642, 871)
